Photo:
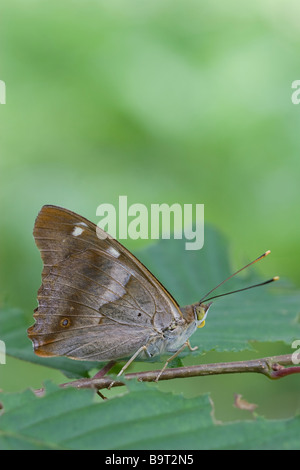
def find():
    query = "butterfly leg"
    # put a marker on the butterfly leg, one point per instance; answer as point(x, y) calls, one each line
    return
point(190, 347)
point(142, 348)
point(186, 344)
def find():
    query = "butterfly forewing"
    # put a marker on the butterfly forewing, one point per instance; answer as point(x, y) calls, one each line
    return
point(97, 301)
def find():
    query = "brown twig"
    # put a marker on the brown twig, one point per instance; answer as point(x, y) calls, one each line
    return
point(273, 367)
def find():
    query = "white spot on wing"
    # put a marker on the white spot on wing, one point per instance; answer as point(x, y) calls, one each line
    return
point(77, 231)
point(112, 251)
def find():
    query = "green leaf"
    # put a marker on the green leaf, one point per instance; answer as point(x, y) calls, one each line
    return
point(263, 314)
point(144, 418)
point(268, 313)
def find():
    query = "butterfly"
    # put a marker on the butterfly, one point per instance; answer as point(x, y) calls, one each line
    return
point(98, 302)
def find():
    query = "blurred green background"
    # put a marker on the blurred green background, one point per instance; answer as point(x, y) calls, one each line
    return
point(162, 101)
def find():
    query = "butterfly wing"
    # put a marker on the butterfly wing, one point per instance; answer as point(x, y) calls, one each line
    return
point(97, 301)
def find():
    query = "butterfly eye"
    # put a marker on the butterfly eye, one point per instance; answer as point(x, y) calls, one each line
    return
point(65, 322)
point(200, 312)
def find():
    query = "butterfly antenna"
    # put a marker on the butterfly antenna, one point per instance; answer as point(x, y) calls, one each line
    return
point(237, 272)
point(245, 288)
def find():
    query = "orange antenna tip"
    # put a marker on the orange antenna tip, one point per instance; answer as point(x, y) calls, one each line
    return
point(276, 278)
point(266, 253)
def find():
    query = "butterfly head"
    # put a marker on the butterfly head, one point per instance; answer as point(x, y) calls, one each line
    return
point(201, 311)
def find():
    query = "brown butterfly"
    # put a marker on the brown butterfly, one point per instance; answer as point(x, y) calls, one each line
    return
point(98, 302)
